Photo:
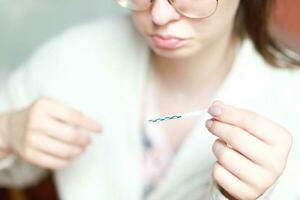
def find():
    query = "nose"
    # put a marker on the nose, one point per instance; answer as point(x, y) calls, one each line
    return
point(163, 12)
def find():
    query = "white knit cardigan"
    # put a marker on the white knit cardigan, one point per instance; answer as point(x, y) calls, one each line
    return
point(100, 68)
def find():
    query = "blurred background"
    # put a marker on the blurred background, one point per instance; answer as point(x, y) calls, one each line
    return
point(26, 24)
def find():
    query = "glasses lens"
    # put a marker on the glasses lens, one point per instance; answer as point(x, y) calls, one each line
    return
point(196, 8)
point(189, 8)
point(135, 5)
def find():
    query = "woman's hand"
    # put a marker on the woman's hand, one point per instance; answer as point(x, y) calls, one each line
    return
point(251, 150)
point(49, 134)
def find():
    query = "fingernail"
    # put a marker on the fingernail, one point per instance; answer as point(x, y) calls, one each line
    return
point(215, 110)
point(218, 103)
point(209, 123)
point(216, 148)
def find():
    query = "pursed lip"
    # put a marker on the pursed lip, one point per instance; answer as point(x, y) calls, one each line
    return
point(167, 41)
point(167, 37)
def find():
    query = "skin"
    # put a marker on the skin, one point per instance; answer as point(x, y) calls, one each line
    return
point(207, 38)
point(48, 133)
point(251, 151)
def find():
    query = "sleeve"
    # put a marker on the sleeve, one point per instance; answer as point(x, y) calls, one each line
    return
point(20, 89)
point(15, 172)
point(18, 92)
point(216, 194)
point(288, 184)
point(43, 75)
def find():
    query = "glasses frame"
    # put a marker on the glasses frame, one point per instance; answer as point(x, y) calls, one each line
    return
point(172, 3)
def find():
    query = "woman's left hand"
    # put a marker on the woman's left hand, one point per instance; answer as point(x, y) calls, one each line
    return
point(251, 150)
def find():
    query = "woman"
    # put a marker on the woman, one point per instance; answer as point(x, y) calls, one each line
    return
point(107, 77)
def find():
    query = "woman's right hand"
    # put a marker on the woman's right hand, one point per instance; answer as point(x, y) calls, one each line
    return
point(49, 134)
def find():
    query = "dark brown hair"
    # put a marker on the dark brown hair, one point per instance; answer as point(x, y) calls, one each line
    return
point(253, 21)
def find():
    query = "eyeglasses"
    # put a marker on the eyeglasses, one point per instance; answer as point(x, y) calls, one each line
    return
point(196, 9)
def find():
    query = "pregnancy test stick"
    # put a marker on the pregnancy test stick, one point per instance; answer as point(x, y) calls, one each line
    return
point(178, 116)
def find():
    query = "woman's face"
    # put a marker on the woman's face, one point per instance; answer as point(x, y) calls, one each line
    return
point(172, 35)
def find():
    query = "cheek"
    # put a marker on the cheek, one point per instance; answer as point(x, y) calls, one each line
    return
point(225, 15)
point(142, 21)
point(218, 24)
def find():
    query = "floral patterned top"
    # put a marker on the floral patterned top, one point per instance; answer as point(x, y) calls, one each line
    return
point(158, 153)
point(157, 158)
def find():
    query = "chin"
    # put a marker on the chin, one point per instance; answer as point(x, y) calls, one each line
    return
point(181, 53)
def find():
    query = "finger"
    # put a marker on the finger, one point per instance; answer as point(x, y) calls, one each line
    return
point(73, 117)
point(54, 147)
point(44, 160)
point(240, 140)
point(245, 170)
point(232, 184)
point(66, 133)
point(258, 126)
